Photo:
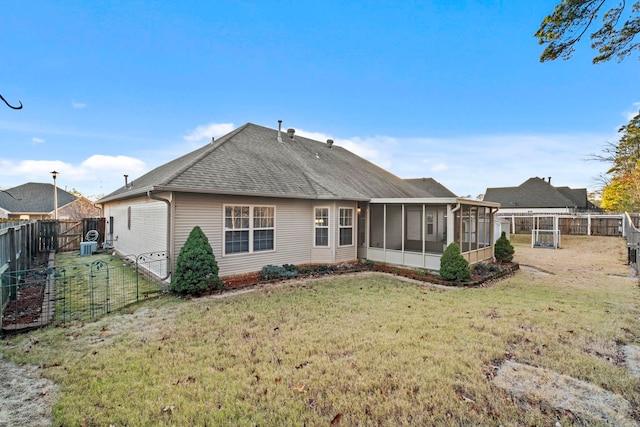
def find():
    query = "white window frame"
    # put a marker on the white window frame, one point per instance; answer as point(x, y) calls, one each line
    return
point(251, 228)
point(341, 226)
point(317, 226)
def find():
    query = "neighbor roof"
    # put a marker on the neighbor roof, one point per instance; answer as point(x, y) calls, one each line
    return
point(33, 197)
point(251, 161)
point(431, 186)
point(537, 193)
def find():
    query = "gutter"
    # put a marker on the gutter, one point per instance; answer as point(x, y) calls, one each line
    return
point(169, 258)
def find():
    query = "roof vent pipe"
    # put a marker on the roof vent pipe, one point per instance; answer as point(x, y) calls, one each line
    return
point(126, 181)
point(213, 138)
point(291, 132)
point(549, 180)
point(279, 130)
point(329, 143)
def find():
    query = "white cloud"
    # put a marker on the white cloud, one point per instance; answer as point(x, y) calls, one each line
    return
point(633, 112)
point(76, 104)
point(205, 132)
point(37, 140)
point(101, 163)
point(97, 175)
point(438, 167)
point(467, 165)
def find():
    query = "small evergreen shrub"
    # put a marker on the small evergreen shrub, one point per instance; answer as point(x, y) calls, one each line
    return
point(453, 266)
point(196, 266)
point(482, 268)
point(503, 249)
point(275, 272)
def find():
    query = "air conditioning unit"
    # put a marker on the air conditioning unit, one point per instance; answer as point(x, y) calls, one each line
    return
point(88, 248)
point(85, 248)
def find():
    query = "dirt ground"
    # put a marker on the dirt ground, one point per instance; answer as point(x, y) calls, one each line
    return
point(26, 397)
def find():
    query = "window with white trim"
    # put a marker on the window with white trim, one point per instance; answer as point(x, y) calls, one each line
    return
point(321, 227)
point(345, 226)
point(248, 229)
point(263, 228)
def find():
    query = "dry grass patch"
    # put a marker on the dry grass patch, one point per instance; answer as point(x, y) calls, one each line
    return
point(357, 350)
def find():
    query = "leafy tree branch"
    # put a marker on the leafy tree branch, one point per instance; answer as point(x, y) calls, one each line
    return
point(571, 19)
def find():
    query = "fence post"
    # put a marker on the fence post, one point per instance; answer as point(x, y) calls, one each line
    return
point(24, 255)
point(13, 267)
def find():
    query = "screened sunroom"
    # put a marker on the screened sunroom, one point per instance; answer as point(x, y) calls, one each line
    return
point(415, 232)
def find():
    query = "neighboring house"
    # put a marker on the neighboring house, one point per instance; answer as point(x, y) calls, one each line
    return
point(35, 200)
point(538, 196)
point(263, 197)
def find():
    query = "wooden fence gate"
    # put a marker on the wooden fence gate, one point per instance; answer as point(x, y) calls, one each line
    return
point(65, 235)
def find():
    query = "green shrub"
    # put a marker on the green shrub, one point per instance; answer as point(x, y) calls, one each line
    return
point(196, 267)
point(453, 266)
point(275, 272)
point(503, 249)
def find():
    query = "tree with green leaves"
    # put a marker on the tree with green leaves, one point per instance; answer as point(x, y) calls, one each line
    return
point(613, 30)
point(453, 266)
point(196, 266)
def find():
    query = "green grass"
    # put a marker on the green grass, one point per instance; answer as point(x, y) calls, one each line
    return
point(112, 285)
point(369, 349)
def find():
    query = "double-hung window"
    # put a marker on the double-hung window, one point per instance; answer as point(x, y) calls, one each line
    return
point(263, 226)
point(321, 227)
point(248, 229)
point(345, 226)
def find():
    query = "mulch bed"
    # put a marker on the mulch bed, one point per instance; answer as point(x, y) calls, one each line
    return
point(26, 309)
point(481, 277)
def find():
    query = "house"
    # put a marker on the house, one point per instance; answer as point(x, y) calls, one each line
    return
point(265, 196)
point(538, 196)
point(35, 200)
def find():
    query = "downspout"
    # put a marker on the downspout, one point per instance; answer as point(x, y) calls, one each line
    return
point(492, 233)
point(451, 226)
point(169, 257)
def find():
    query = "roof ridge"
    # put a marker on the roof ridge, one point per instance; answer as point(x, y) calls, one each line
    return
point(207, 149)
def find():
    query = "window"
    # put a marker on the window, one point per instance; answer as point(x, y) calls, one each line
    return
point(248, 229)
point(263, 224)
point(321, 227)
point(345, 226)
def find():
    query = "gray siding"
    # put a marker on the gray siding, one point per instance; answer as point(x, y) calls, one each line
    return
point(293, 231)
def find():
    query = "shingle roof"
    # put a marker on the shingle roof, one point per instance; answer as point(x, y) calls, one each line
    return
point(431, 186)
point(33, 197)
point(537, 193)
point(250, 160)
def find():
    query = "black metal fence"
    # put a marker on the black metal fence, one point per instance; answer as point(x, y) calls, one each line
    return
point(79, 288)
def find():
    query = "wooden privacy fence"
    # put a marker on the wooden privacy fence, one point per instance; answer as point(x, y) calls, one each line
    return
point(587, 225)
point(18, 246)
point(66, 235)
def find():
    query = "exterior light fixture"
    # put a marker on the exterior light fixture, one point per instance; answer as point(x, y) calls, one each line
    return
point(55, 195)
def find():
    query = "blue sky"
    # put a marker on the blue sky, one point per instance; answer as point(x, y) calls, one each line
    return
point(441, 89)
